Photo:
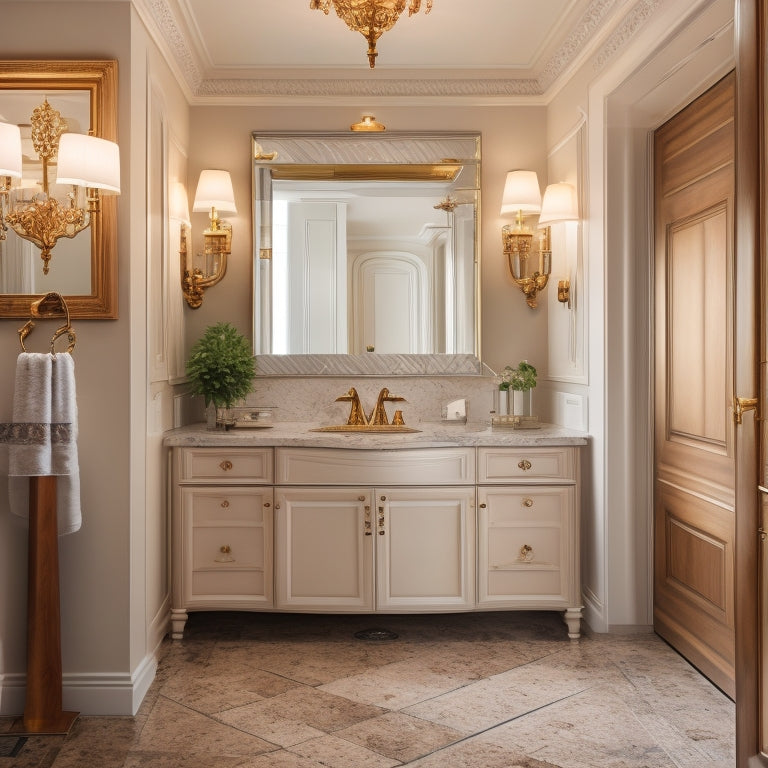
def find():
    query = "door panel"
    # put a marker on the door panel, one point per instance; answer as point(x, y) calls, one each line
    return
point(694, 431)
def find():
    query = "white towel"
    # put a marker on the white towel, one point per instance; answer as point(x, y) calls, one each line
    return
point(45, 434)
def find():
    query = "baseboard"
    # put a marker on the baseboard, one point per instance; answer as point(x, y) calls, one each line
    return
point(89, 694)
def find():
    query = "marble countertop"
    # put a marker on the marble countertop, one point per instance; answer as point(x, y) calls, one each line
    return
point(431, 435)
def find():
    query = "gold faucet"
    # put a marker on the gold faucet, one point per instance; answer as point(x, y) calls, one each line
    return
point(378, 415)
point(357, 415)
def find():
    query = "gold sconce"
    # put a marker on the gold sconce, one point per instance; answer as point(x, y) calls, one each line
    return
point(86, 166)
point(522, 197)
point(215, 195)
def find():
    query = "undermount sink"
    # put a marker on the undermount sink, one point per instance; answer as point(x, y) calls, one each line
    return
point(366, 428)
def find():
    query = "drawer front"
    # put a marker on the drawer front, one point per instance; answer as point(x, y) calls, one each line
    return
point(532, 465)
point(527, 545)
point(226, 549)
point(216, 586)
point(225, 506)
point(226, 465)
point(427, 466)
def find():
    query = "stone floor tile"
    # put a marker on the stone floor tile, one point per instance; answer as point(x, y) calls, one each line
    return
point(399, 736)
point(334, 752)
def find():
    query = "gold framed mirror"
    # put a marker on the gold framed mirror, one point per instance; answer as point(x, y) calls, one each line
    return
point(85, 92)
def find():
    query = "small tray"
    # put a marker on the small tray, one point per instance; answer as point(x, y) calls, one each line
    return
point(251, 418)
point(515, 422)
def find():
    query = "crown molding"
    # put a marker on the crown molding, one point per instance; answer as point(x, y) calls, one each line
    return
point(593, 35)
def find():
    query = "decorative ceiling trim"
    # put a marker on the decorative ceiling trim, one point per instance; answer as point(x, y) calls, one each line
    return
point(368, 88)
point(168, 32)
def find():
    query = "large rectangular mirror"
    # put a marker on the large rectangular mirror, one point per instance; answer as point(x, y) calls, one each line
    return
point(366, 245)
point(84, 268)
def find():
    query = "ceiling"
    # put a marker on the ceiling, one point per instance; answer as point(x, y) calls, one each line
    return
point(491, 50)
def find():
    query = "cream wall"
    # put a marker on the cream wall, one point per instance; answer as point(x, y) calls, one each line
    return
point(110, 591)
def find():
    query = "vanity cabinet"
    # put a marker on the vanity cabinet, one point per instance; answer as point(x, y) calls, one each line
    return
point(528, 531)
point(314, 529)
point(221, 531)
point(384, 549)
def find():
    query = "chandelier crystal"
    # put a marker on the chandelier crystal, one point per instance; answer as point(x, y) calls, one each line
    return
point(371, 18)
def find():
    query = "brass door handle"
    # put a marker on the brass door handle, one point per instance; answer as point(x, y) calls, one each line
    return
point(741, 404)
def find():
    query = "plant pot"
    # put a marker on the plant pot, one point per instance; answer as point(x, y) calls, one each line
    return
point(522, 402)
point(503, 406)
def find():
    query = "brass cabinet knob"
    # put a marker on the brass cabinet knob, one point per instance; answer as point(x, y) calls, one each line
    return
point(483, 505)
point(267, 504)
point(225, 504)
point(225, 549)
point(226, 465)
point(524, 464)
point(526, 553)
point(527, 502)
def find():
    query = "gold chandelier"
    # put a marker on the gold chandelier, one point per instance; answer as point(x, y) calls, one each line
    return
point(371, 18)
point(85, 164)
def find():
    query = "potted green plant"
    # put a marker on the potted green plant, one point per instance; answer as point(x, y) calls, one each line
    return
point(221, 368)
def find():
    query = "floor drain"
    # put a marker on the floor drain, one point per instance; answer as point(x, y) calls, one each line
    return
point(10, 746)
point(375, 634)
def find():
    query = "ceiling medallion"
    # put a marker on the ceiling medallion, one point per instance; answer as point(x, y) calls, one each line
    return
point(371, 18)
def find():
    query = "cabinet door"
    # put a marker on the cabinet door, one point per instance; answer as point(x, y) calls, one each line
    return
point(527, 547)
point(425, 549)
point(323, 549)
point(225, 557)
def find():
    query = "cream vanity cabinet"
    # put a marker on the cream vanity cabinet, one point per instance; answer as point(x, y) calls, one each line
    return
point(402, 539)
point(221, 531)
point(528, 531)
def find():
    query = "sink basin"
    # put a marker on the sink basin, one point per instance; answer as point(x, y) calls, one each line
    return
point(390, 428)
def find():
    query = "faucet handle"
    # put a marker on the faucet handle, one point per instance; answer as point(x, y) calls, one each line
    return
point(397, 419)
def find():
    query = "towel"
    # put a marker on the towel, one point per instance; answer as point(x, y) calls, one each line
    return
point(44, 434)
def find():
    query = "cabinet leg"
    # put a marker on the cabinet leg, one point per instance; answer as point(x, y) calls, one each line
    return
point(179, 618)
point(572, 617)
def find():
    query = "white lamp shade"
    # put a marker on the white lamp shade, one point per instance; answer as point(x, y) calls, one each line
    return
point(559, 204)
point(88, 161)
point(214, 190)
point(178, 206)
point(10, 150)
point(521, 193)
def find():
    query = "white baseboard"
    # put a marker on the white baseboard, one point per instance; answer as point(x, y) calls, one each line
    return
point(89, 694)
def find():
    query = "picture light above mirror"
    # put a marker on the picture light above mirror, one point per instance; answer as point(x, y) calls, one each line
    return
point(365, 246)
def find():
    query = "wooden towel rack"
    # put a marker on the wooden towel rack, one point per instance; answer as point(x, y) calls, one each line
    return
point(43, 706)
point(51, 305)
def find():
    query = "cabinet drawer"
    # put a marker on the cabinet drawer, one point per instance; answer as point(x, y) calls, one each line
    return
point(532, 465)
point(226, 465)
point(334, 466)
point(225, 506)
point(227, 548)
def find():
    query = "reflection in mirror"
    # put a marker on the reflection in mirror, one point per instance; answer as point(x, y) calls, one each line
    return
point(366, 244)
point(84, 268)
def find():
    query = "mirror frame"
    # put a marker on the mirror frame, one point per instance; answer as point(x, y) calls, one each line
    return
point(99, 79)
point(391, 155)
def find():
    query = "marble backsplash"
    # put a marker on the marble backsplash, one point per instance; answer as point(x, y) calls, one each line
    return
point(314, 399)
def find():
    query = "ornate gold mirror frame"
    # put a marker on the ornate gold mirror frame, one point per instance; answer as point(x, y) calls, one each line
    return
point(97, 80)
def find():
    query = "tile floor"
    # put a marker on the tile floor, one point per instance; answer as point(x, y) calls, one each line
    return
point(496, 690)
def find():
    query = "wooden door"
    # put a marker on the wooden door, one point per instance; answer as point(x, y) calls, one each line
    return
point(694, 428)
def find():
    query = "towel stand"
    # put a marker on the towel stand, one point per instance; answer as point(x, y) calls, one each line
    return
point(43, 713)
